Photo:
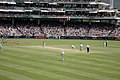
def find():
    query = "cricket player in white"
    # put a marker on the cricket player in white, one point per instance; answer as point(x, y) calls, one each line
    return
point(62, 55)
point(73, 47)
point(104, 44)
point(81, 46)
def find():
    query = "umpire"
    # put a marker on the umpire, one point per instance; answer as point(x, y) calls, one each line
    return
point(88, 48)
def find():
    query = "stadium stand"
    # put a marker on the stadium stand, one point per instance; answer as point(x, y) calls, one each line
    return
point(84, 18)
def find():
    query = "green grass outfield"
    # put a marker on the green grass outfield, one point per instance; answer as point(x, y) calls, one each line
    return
point(24, 59)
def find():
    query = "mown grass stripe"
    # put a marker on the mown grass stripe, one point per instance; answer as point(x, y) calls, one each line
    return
point(94, 59)
point(79, 62)
point(47, 73)
point(88, 55)
point(105, 58)
point(21, 71)
point(2, 77)
point(36, 71)
point(94, 64)
point(91, 69)
point(64, 69)
point(14, 76)
point(56, 70)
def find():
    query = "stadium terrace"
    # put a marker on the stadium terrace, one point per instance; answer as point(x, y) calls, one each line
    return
point(79, 19)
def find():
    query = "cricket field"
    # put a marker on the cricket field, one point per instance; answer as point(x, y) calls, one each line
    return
point(27, 59)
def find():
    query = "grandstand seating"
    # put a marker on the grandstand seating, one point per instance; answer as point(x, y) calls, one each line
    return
point(102, 20)
point(96, 30)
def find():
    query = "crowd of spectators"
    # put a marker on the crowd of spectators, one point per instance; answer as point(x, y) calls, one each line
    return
point(24, 30)
point(56, 30)
point(115, 32)
point(61, 14)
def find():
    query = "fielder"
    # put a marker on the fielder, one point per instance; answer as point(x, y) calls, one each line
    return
point(73, 47)
point(81, 46)
point(104, 44)
point(62, 55)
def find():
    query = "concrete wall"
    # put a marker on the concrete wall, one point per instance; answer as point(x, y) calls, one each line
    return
point(116, 3)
